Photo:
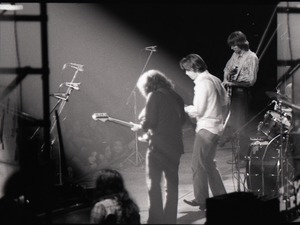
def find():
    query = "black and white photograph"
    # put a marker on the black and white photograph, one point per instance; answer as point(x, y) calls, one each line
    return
point(149, 112)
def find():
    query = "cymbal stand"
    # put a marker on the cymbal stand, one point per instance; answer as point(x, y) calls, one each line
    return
point(284, 164)
point(238, 161)
point(281, 149)
point(138, 156)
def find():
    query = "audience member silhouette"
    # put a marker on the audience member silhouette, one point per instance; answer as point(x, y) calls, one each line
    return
point(15, 204)
point(113, 204)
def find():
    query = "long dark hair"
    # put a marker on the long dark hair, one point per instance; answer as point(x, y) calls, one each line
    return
point(152, 80)
point(110, 184)
point(239, 39)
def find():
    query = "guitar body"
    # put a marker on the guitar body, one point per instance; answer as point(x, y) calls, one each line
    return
point(232, 76)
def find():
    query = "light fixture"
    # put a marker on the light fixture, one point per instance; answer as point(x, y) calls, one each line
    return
point(11, 7)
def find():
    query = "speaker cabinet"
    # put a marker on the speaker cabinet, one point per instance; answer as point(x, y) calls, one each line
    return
point(241, 208)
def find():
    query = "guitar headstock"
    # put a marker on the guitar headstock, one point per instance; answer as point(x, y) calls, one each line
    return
point(100, 116)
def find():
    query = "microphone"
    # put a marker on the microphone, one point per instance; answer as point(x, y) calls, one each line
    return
point(62, 96)
point(151, 48)
point(75, 86)
point(74, 65)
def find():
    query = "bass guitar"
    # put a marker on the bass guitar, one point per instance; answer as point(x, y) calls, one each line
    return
point(103, 117)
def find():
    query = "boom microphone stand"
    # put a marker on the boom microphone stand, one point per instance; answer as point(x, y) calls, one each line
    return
point(138, 157)
point(62, 99)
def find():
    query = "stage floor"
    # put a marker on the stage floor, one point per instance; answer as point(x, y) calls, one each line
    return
point(134, 176)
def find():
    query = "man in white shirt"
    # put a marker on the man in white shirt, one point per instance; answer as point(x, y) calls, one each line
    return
point(210, 98)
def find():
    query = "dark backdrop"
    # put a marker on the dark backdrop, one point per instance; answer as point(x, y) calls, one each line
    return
point(203, 28)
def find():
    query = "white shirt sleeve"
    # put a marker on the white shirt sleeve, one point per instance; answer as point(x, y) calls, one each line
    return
point(201, 92)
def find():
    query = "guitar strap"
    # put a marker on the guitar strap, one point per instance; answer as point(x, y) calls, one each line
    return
point(229, 89)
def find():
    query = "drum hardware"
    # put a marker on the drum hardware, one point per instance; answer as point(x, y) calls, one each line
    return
point(284, 140)
point(238, 161)
point(274, 123)
point(277, 96)
point(275, 128)
point(282, 99)
point(262, 168)
point(269, 171)
point(234, 138)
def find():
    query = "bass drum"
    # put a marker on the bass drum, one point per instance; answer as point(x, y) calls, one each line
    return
point(263, 167)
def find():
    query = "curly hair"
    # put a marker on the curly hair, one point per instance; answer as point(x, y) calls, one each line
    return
point(152, 80)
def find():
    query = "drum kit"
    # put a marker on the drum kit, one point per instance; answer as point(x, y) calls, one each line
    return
point(269, 169)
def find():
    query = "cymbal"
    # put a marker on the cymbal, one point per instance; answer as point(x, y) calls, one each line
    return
point(277, 96)
point(285, 100)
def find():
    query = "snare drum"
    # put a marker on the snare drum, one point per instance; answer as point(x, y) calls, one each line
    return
point(272, 124)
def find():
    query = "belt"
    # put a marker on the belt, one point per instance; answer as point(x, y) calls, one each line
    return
point(240, 89)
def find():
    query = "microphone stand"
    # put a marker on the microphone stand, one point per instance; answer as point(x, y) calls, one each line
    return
point(64, 96)
point(56, 120)
point(61, 101)
point(138, 157)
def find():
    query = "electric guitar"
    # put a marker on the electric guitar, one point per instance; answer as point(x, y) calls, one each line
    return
point(231, 75)
point(104, 117)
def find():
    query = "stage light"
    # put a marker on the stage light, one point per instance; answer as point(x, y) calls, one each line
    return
point(11, 7)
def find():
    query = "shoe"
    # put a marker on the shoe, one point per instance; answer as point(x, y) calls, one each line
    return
point(191, 203)
point(202, 207)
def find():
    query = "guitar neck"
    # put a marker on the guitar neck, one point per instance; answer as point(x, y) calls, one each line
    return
point(121, 122)
point(104, 117)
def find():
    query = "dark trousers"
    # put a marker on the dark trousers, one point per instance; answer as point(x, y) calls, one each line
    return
point(157, 166)
point(239, 117)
